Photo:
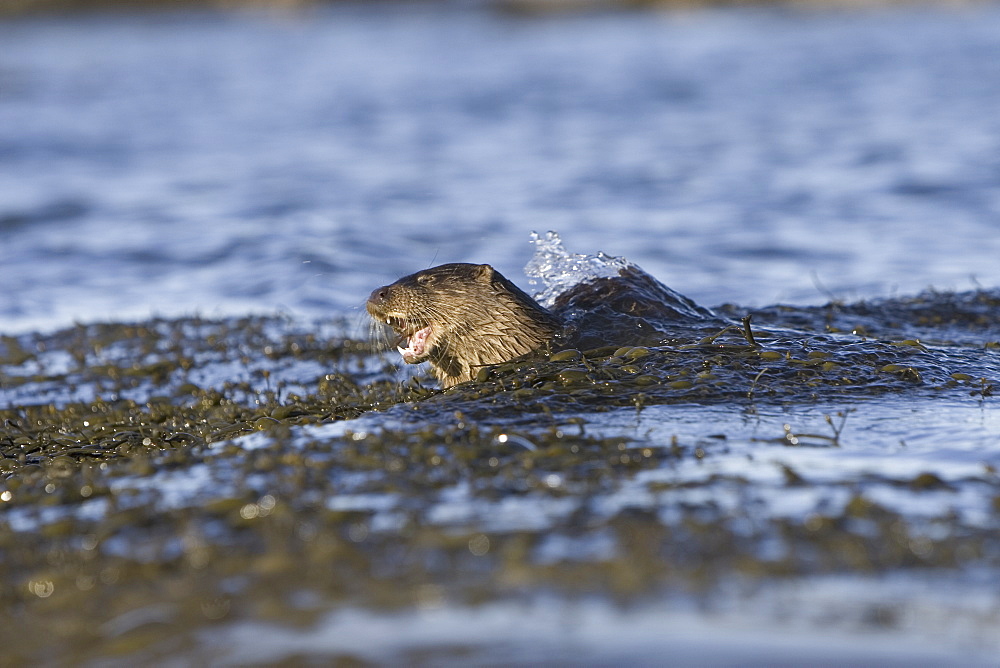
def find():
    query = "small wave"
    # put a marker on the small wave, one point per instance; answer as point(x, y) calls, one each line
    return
point(55, 211)
point(607, 300)
point(560, 270)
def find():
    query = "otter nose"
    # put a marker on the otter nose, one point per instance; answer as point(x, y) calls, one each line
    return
point(379, 295)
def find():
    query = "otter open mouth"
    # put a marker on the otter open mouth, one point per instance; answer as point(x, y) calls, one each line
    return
point(412, 341)
point(416, 345)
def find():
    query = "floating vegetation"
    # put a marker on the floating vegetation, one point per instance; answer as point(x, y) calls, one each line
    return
point(162, 478)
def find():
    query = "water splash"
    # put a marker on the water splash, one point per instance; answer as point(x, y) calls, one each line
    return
point(559, 270)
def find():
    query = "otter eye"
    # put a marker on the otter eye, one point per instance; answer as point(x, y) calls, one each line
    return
point(424, 279)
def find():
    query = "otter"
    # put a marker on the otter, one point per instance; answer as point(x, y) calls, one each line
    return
point(461, 317)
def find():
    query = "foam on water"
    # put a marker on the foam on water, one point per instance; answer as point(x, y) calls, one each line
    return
point(559, 270)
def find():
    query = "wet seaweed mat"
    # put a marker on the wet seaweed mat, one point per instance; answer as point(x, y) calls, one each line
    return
point(173, 481)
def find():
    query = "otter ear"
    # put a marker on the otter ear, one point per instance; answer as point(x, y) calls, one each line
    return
point(484, 273)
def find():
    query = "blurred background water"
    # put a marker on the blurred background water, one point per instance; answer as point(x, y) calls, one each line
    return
point(198, 162)
point(192, 162)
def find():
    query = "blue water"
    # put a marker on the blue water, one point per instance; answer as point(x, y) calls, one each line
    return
point(180, 163)
point(185, 163)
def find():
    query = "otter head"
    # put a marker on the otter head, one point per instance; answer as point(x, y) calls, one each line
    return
point(460, 317)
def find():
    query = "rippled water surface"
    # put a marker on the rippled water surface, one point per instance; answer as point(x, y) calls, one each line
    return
point(259, 489)
point(180, 163)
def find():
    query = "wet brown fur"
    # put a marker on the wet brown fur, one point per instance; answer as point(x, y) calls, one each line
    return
point(477, 318)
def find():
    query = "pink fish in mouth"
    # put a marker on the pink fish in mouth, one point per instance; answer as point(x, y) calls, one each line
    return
point(416, 345)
